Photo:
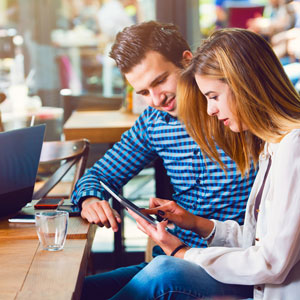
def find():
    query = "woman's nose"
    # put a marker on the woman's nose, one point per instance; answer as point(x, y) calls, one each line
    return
point(212, 109)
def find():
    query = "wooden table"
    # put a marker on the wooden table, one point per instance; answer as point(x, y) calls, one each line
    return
point(98, 126)
point(29, 272)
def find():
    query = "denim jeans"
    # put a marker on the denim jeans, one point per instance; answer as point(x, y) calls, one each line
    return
point(107, 284)
point(104, 285)
point(166, 278)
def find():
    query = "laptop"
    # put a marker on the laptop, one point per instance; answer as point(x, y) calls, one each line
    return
point(20, 152)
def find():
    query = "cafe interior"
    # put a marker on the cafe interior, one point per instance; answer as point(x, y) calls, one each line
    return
point(55, 70)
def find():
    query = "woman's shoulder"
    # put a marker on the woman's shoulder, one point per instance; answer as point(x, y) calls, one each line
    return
point(290, 144)
point(292, 137)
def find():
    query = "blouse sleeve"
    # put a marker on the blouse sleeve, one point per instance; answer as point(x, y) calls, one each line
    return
point(273, 257)
point(228, 234)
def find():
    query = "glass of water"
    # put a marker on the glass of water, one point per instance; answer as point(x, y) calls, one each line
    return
point(52, 229)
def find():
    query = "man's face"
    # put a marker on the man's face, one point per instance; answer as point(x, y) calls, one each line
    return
point(155, 78)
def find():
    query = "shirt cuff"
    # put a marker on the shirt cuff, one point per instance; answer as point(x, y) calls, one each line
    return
point(219, 238)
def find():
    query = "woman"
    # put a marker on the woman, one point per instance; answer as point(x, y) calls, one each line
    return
point(236, 93)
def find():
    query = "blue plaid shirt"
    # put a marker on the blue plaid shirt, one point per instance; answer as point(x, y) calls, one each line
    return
point(200, 185)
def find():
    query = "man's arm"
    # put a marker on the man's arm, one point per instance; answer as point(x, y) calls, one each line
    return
point(126, 159)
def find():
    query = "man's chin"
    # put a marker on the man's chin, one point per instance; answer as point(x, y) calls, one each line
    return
point(173, 113)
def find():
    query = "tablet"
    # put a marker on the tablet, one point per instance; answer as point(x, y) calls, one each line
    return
point(128, 204)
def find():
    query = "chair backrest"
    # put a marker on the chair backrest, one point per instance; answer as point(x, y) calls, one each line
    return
point(88, 102)
point(66, 154)
point(239, 15)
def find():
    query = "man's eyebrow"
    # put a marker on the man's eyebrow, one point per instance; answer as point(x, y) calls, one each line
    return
point(158, 78)
point(154, 82)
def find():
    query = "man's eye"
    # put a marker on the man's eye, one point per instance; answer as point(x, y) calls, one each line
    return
point(145, 93)
point(161, 80)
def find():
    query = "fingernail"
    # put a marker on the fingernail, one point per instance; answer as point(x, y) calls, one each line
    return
point(160, 212)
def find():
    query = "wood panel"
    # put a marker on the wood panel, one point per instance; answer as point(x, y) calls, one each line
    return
point(54, 275)
point(16, 256)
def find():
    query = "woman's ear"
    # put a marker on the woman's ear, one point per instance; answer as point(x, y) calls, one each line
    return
point(186, 58)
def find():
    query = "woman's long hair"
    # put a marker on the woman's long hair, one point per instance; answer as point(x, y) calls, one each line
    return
point(263, 98)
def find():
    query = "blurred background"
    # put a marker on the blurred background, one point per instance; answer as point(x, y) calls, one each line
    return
point(50, 45)
point(52, 50)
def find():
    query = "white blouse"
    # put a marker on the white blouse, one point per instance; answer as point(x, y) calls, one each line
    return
point(265, 253)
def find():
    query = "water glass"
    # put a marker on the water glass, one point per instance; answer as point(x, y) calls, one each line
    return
point(52, 226)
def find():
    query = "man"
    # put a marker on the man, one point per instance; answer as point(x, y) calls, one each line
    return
point(151, 56)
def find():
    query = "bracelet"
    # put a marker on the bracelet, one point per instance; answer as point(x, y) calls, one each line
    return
point(212, 232)
point(177, 249)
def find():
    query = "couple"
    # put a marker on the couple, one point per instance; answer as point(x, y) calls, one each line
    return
point(234, 93)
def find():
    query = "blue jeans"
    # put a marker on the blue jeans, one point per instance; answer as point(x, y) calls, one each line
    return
point(105, 285)
point(167, 278)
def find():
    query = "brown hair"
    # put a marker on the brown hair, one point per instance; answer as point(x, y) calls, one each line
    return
point(263, 97)
point(133, 43)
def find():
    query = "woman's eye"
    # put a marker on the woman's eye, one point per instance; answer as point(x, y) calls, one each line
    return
point(213, 98)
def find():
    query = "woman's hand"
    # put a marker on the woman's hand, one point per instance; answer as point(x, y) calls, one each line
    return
point(167, 241)
point(173, 212)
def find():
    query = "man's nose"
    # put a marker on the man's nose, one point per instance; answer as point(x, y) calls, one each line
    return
point(212, 109)
point(157, 97)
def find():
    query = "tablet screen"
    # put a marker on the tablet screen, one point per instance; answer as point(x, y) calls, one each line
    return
point(128, 204)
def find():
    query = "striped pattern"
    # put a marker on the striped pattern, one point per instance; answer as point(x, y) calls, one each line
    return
point(200, 186)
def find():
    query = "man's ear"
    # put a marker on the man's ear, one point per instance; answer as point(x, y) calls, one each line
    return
point(186, 58)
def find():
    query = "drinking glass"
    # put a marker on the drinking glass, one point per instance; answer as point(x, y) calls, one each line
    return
point(52, 229)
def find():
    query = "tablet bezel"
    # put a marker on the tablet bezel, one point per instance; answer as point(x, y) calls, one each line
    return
point(128, 204)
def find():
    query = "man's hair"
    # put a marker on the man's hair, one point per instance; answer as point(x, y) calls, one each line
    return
point(262, 96)
point(134, 42)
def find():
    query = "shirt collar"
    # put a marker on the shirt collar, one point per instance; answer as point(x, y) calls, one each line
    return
point(169, 119)
point(269, 150)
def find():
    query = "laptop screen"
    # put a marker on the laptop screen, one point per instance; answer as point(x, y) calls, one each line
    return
point(20, 152)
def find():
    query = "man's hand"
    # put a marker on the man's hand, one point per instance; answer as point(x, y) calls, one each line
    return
point(100, 212)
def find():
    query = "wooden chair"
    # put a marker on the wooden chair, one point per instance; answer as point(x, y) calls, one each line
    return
point(64, 155)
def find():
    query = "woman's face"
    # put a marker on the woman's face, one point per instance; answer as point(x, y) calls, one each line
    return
point(218, 95)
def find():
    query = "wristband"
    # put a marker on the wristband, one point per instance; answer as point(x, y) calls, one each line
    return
point(212, 232)
point(177, 249)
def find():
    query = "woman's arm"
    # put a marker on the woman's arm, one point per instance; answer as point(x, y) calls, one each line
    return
point(277, 249)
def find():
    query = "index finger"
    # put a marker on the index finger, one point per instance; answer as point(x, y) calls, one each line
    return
point(154, 202)
point(151, 211)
